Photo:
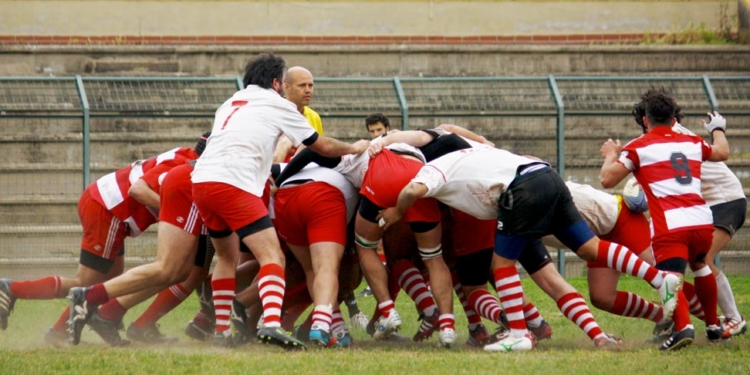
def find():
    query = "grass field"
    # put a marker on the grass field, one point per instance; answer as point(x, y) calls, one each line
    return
point(23, 350)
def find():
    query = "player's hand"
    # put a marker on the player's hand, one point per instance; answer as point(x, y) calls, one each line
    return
point(610, 147)
point(718, 122)
point(487, 142)
point(388, 217)
point(274, 190)
point(375, 148)
point(360, 146)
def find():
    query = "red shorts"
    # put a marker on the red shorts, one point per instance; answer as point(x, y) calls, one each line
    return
point(103, 233)
point(631, 230)
point(176, 201)
point(387, 174)
point(223, 206)
point(471, 235)
point(311, 213)
point(687, 244)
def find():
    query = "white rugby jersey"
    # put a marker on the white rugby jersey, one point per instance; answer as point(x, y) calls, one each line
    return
point(246, 129)
point(331, 177)
point(718, 182)
point(599, 209)
point(471, 180)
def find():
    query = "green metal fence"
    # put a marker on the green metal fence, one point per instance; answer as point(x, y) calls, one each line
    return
point(59, 134)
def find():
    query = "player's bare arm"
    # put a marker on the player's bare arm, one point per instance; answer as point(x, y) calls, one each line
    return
point(143, 193)
point(282, 149)
point(612, 172)
point(332, 147)
point(409, 194)
point(717, 128)
point(466, 133)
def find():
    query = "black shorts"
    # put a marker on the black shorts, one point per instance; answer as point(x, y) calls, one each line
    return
point(730, 216)
point(205, 253)
point(474, 269)
point(534, 257)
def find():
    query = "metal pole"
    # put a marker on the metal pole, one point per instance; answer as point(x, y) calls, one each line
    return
point(560, 106)
point(402, 103)
point(86, 131)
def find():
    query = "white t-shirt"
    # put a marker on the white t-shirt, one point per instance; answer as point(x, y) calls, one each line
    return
point(246, 129)
point(718, 183)
point(471, 180)
point(331, 177)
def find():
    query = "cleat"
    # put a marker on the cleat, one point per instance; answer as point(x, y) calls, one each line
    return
point(359, 320)
point(387, 326)
point(679, 340)
point(321, 338)
point(715, 334)
point(504, 320)
point(510, 343)
point(668, 293)
point(397, 338)
point(499, 334)
point(222, 341)
point(7, 301)
point(607, 341)
point(108, 330)
point(367, 292)
point(80, 313)
point(734, 327)
point(149, 334)
point(199, 332)
point(447, 338)
point(542, 332)
point(206, 300)
point(663, 330)
point(478, 336)
point(277, 336)
point(242, 333)
point(343, 338)
point(57, 339)
point(428, 326)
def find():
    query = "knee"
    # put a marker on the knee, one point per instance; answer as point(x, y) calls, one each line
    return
point(602, 301)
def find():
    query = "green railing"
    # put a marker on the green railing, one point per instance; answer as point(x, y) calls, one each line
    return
point(86, 126)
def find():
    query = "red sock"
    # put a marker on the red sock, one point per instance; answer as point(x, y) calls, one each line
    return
point(271, 284)
point(223, 290)
point(694, 304)
point(574, 307)
point(619, 258)
point(112, 310)
point(393, 288)
point(44, 288)
point(634, 306)
point(447, 321)
point(411, 281)
point(705, 287)
point(97, 295)
point(471, 315)
point(531, 315)
point(509, 290)
point(386, 307)
point(485, 304)
point(62, 322)
point(165, 302)
point(681, 313)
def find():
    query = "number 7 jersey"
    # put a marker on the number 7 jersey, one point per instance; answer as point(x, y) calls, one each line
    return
point(667, 165)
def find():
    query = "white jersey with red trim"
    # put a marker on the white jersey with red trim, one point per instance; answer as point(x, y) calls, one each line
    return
point(111, 190)
point(331, 177)
point(718, 183)
point(667, 165)
point(599, 209)
point(471, 180)
point(246, 130)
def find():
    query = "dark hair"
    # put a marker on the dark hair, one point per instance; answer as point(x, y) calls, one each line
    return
point(375, 118)
point(201, 145)
point(639, 109)
point(262, 69)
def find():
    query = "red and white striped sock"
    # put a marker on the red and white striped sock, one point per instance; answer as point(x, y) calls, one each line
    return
point(386, 307)
point(486, 305)
point(532, 315)
point(447, 321)
point(619, 258)
point(574, 307)
point(510, 291)
point(705, 288)
point(165, 302)
point(271, 284)
point(634, 306)
point(473, 318)
point(412, 282)
point(691, 297)
point(44, 288)
point(337, 321)
point(322, 317)
point(223, 295)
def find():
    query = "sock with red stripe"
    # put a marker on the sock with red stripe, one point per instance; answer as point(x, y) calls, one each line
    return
point(223, 295)
point(337, 321)
point(694, 304)
point(509, 290)
point(386, 307)
point(97, 295)
point(705, 288)
point(44, 288)
point(574, 307)
point(531, 315)
point(447, 321)
point(471, 316)
point(634, 306)
point(112, 310)
point(486, 305)
point(165, 302)
point(411, 281)
point(271, 284)
point(619, 258)
point(322, 317)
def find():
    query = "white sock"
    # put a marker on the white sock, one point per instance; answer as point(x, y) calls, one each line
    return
point(726, 297)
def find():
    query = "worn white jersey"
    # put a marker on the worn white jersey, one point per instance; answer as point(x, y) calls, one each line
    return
point(471, 180)
point(599, 209)
point(718, 183)
point(246, 129)
point(354, 167)
point(331, 177)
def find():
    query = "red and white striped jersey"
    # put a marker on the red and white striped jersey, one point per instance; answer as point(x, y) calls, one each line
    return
point(667, 165)
point(111, 191)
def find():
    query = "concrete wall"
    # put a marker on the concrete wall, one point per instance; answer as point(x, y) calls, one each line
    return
point(366, 18)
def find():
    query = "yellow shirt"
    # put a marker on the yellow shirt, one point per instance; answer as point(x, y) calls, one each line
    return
point(314, 119)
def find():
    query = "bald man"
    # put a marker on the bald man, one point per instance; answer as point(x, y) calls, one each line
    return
point(298, 85)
